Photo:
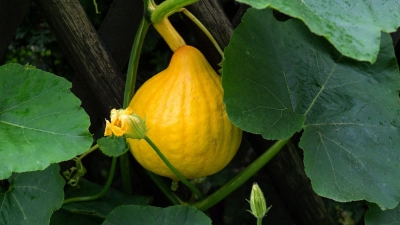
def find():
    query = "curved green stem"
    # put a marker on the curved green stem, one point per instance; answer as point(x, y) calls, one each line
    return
point(204, 29)
point(96, 146)
point(172, 168)
point(96, 7)
point(167, 8)
point(134, 61)
point(242, 177)
point(172, 197)
point(102, 192)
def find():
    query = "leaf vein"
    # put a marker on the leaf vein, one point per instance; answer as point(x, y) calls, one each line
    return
point(19, 205)
point(40, 130)
point(29, 100)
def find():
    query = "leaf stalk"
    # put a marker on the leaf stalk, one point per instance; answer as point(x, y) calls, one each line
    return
point(241, 178)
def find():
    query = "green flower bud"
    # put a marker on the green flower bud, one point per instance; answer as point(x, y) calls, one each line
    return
point(257, 202)
point(137, 128)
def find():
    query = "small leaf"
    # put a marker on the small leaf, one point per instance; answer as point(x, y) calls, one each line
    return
point(103, 206)
point(375, 216)
point(353, 27)
point(149, 215)
point(349, 109)
point(113, 146)
point(41, 121)
point(32, 197)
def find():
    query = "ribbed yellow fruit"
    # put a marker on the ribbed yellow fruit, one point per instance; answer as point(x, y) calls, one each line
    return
point(186, 118)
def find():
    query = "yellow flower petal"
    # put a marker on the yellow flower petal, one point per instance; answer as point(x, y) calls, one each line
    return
point(117, 131)
point(108, 130)
point(125, 123)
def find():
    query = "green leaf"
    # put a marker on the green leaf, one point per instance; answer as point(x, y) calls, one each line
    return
point(351, 129)
point(375, 216)
point(103, 206)
point(41, 121)
point(32, 197)
point(149, 215)
point(353, 27)
point(113, 146)
point(62, 217)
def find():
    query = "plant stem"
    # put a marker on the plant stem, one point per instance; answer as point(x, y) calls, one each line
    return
point(129, 91)
point(167, 8)
point(242, 177)
point(134, 61)
point(172, 168)
point(95, 7)
point(165, 189)
point(124, 166)
point(102, 192)
point(169, 34)
point(259, 221)
point(96, 146)
point(204, 29)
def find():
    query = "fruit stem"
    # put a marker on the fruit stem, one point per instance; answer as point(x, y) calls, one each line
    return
point(241, 178)
point(102, 192)
point(204, 29)
point(172, 168)
point(170, 35)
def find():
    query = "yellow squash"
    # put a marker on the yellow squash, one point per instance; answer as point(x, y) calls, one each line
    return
point(186, 118)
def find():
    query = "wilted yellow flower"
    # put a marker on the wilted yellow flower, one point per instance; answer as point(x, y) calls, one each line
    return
point(124, 122)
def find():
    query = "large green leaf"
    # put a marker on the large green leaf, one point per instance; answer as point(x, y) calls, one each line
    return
point(32, 197)
point(353, 27)
point(375, 216)
point(351, 136)
point(103, 206)
point(149, 215)
point(41, 121)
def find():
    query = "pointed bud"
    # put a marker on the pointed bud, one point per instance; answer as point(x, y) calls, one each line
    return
point(124, 122)
point(257, 202)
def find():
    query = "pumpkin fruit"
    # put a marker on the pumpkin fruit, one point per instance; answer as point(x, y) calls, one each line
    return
point(186, 118)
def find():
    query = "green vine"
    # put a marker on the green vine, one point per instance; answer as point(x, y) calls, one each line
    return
point(242, 177)
point(102, 192)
